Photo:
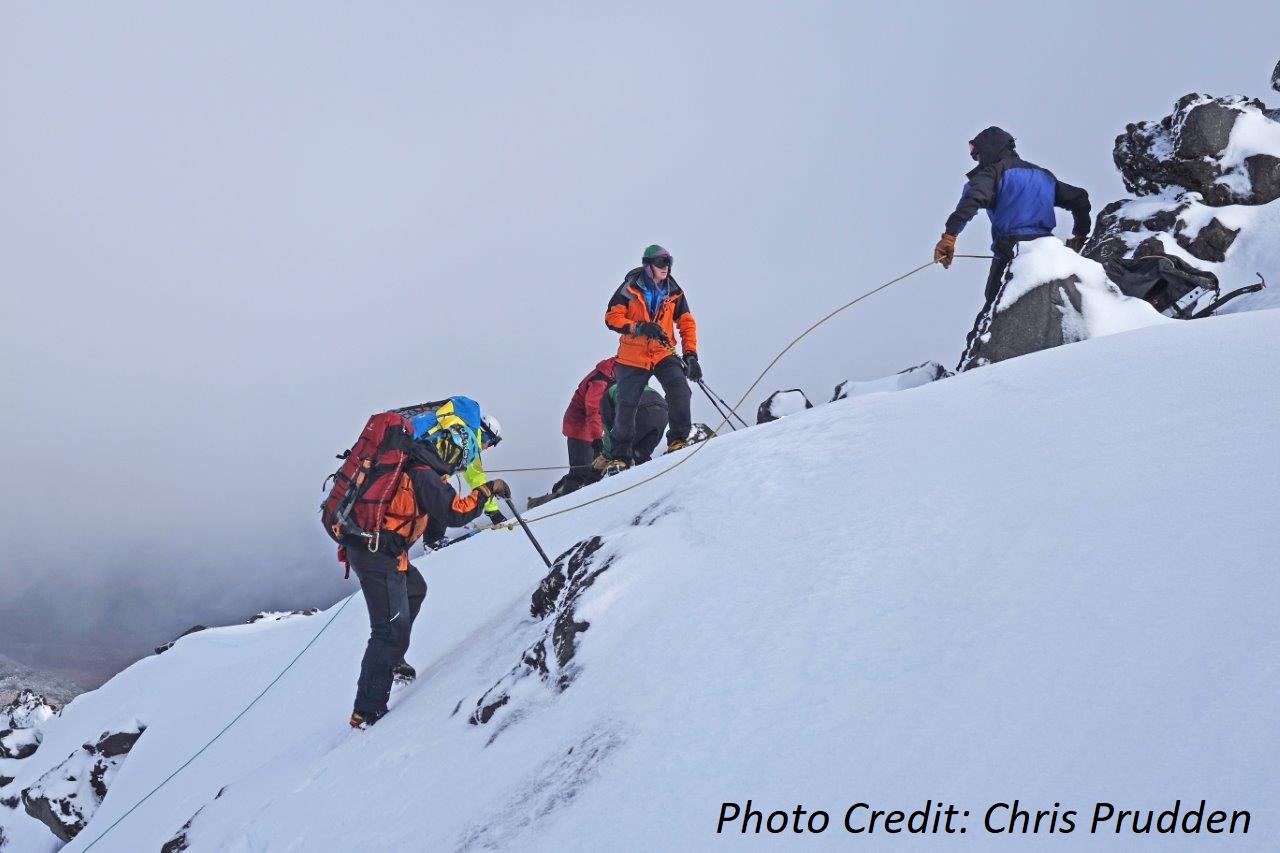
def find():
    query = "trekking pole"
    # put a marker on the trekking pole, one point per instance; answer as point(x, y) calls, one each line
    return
point(724, 416)
point(528, 532)
point(685, 367)
point(723, 402)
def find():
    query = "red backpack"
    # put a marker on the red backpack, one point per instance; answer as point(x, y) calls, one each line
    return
point(366, 482)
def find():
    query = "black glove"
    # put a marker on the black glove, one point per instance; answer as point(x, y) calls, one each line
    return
point(496, 516)
point(494, 489)
point(649, 330)
point(691, 367)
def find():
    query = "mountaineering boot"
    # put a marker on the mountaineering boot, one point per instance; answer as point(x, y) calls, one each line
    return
point(615, 466)
point(363, 719)
point(403, 673)
point(678, 444)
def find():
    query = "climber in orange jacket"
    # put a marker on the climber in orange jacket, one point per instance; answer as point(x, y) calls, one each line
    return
point(646, 310)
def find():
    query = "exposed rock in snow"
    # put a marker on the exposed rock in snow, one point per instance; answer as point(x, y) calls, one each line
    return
point(277, 615)
point(66, 797)
point(1207, 174)
point(1275, 78)
point(20, 723)
point(19, 744)
point(194, 629)
point(1052, 296)
point(28, 710)
point(1225, 149)
point(179, 841)
point(912, 377)
point(782, 403)
point(263, 615)
point(700, 432)
point(549, 658)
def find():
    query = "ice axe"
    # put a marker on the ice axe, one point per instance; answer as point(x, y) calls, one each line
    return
point(527, 531)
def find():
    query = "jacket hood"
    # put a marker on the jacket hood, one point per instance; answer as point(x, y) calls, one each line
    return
point(992, 144)
point(607, 366)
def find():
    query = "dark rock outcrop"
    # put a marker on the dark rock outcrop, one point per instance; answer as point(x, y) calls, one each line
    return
point(782, 403)
point(164, 647)
point(67, 796)
point(1275, 78)
point(179, 841)
point(912, 377)
point(550, 657)
point(273, 616)
point(18, 744)
point(1047, 316)
point(1187, 150)
point(1179, 166)
point(1210, 243)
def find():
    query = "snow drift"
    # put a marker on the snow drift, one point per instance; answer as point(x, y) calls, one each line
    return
point(1049, 580)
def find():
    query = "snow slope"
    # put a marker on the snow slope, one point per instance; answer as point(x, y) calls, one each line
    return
point(1050, 580)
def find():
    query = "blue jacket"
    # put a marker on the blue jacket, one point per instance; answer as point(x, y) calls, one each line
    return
point(1019, 197)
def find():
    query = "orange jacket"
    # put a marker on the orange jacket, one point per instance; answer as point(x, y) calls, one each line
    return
point(628, 306)
point(421, 495)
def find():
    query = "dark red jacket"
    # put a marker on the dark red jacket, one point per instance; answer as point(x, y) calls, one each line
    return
point(582, 418)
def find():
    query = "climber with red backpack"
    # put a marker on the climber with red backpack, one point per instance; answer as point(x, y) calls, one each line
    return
point(393, 485)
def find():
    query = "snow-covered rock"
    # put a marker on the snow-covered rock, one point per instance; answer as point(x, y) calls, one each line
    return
point(1208, 178)
point(1225, 149)
point(782, 403)
point(66, 797)
point(912, 377)
point(20, 723)
point(1053, 296)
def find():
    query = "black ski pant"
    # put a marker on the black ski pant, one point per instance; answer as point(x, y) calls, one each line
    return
point(631, 382)
point(393, 599)
point(651, 420)
point(1002, 251)
point(581, 455)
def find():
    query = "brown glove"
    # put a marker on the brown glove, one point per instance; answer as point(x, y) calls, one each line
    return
point(945, 251)
point(1076, 243)
point(494, 489)
point(599, 462)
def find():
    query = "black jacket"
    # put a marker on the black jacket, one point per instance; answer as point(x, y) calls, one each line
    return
point(1019, 196)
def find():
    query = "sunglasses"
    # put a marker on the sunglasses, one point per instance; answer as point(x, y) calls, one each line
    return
point(661, 263)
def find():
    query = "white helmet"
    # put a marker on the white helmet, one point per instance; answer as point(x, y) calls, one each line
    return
point(490, 430)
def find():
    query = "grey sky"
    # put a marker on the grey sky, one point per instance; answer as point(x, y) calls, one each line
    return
point(229, 232)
